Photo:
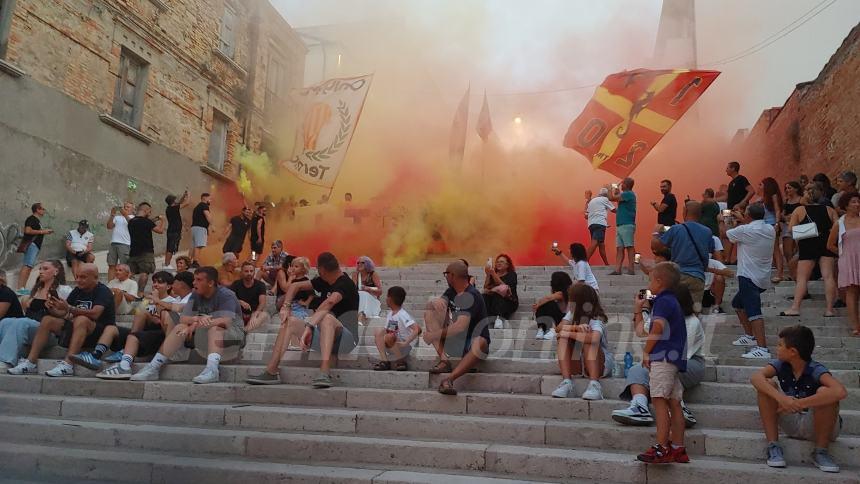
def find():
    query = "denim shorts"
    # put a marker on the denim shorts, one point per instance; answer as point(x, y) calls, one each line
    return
point(299, 311)
point(598, 232)
point(30, 255)
point(748, 298)
point(624, 235)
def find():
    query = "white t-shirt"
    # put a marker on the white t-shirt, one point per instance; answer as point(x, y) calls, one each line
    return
point(119, 234)
point(723, 206)
point(755, 251)
point(401, 322)
point(598, 326)
point(582, 272)
point(171, 300)
point(718, 244)
point(80, 241)
point(597, 210)
point(709, 276)
point(130, 287)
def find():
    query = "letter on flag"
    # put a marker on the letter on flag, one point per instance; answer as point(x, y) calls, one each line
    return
point(457, 143)
point(329, 115)
point(629, 114)
point(485, 124)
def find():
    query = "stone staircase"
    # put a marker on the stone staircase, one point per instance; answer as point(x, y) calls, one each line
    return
point(387, 427)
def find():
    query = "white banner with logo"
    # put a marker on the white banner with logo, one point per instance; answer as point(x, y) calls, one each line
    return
point(329, 114)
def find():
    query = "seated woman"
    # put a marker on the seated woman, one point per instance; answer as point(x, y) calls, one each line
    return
point(585, 322)
point(500, 290)
point(369, 289)
point(296, 271)
point(550, 310)
point(638, 378)
point(17, 332)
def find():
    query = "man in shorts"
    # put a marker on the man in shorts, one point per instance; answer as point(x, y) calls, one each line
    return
point(141, 255)
point(211, 319)
point(457, 324)
point(31, 243)
point(332, 330)
point(201, 218)
point(120, 240)
point(596, 214)
point(625, 223)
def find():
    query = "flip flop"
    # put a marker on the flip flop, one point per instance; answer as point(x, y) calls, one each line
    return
point(785, 314)
point(614, 273)
point(831, 315)
point(382, 366)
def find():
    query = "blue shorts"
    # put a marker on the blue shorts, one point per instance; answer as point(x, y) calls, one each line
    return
point(624, 235)
point(598, 232)
point(30, 255)
point(748, 299)
point(299, 311)
point(344, 343)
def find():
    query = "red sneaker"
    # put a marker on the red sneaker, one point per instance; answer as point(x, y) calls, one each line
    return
point(657, 455)
point(680, 455)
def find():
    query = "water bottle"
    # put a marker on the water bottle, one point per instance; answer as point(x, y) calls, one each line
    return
point(628, 363)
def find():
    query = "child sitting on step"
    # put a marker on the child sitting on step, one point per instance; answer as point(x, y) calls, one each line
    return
point(396, 338)
point(805, 402)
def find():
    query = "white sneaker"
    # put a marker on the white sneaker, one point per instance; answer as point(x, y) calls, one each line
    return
point(757, 353)
point(62, 369)
point(549, 335)
point(499, 324)
point(170, 267)
point(563, 389)
point(539, 334)
point(593, 392)
point(208, 375)
point(148, 373)
point(24, 367)
point(635, 414)
point(744, 340)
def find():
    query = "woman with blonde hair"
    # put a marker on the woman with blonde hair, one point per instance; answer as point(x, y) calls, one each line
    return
point(369, 289)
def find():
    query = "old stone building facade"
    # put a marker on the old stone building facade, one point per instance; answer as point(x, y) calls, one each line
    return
point(114, 99)
point(816, 130)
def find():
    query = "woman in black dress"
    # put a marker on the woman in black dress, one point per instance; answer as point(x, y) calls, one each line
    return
point(500, 290)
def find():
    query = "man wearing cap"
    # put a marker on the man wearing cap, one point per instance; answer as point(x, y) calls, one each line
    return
point(79, 246)
point(273, 262)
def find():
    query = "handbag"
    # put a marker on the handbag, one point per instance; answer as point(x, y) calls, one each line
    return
point(805, 231)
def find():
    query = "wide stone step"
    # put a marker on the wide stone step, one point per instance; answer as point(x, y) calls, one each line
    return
point(94, 465)
point(32, 389)
point(317, 448)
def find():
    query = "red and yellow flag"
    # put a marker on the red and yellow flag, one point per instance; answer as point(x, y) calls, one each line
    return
point(629, 114)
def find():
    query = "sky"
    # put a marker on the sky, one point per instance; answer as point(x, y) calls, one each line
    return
point(522, 39)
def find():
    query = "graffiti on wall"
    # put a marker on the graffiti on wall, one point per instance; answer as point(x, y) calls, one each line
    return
point(10, 236)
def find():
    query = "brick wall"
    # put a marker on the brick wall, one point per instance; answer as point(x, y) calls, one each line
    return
point(818, 127)
point(74, 46)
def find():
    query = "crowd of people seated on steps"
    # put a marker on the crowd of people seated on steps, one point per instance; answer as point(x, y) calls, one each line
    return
point(210, 310)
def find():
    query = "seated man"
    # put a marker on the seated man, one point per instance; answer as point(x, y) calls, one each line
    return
point(252, 297)
point(79, 246)
point(150, 327)
point(115, 337)
point(273, 263)
point(213, 315)
point(229, 271)
point(457, 323)
point(124, 289)
point(804, 401)
point(78, 322)
point(332, 330)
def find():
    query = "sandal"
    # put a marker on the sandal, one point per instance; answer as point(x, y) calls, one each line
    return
point(775, 280)
point(447, 387)
point(787, 314)
point(614, 273)
point(382, 366)
point(441, 367)
point(832, 315)
point(400, 365)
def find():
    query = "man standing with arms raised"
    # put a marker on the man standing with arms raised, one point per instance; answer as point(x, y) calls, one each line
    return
point(625, 222)
point(141, 255)
point(120, 240)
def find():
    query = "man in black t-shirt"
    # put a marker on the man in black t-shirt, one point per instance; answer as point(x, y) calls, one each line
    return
point(10, 306)
point(141, 255)
point(332, 330)
point(78, 322)
point(201, 218)
point(462, 330)
point(174, 224)
point(738, 195)
point(234, 238)
point(252, 297)
point(258, 230)
point(31, 243)
point(667, 209)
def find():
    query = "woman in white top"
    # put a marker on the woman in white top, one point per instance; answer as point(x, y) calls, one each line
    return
point(579, 263)
point(637, 380)
point(15, 333)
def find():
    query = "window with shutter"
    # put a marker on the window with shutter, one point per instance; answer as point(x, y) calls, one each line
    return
point(6, 9)
point(130, 89)
point(227, 44)
point(218, 141)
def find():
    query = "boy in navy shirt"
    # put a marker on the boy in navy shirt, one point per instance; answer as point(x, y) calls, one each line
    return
point(665, 354)
point(805, 403)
